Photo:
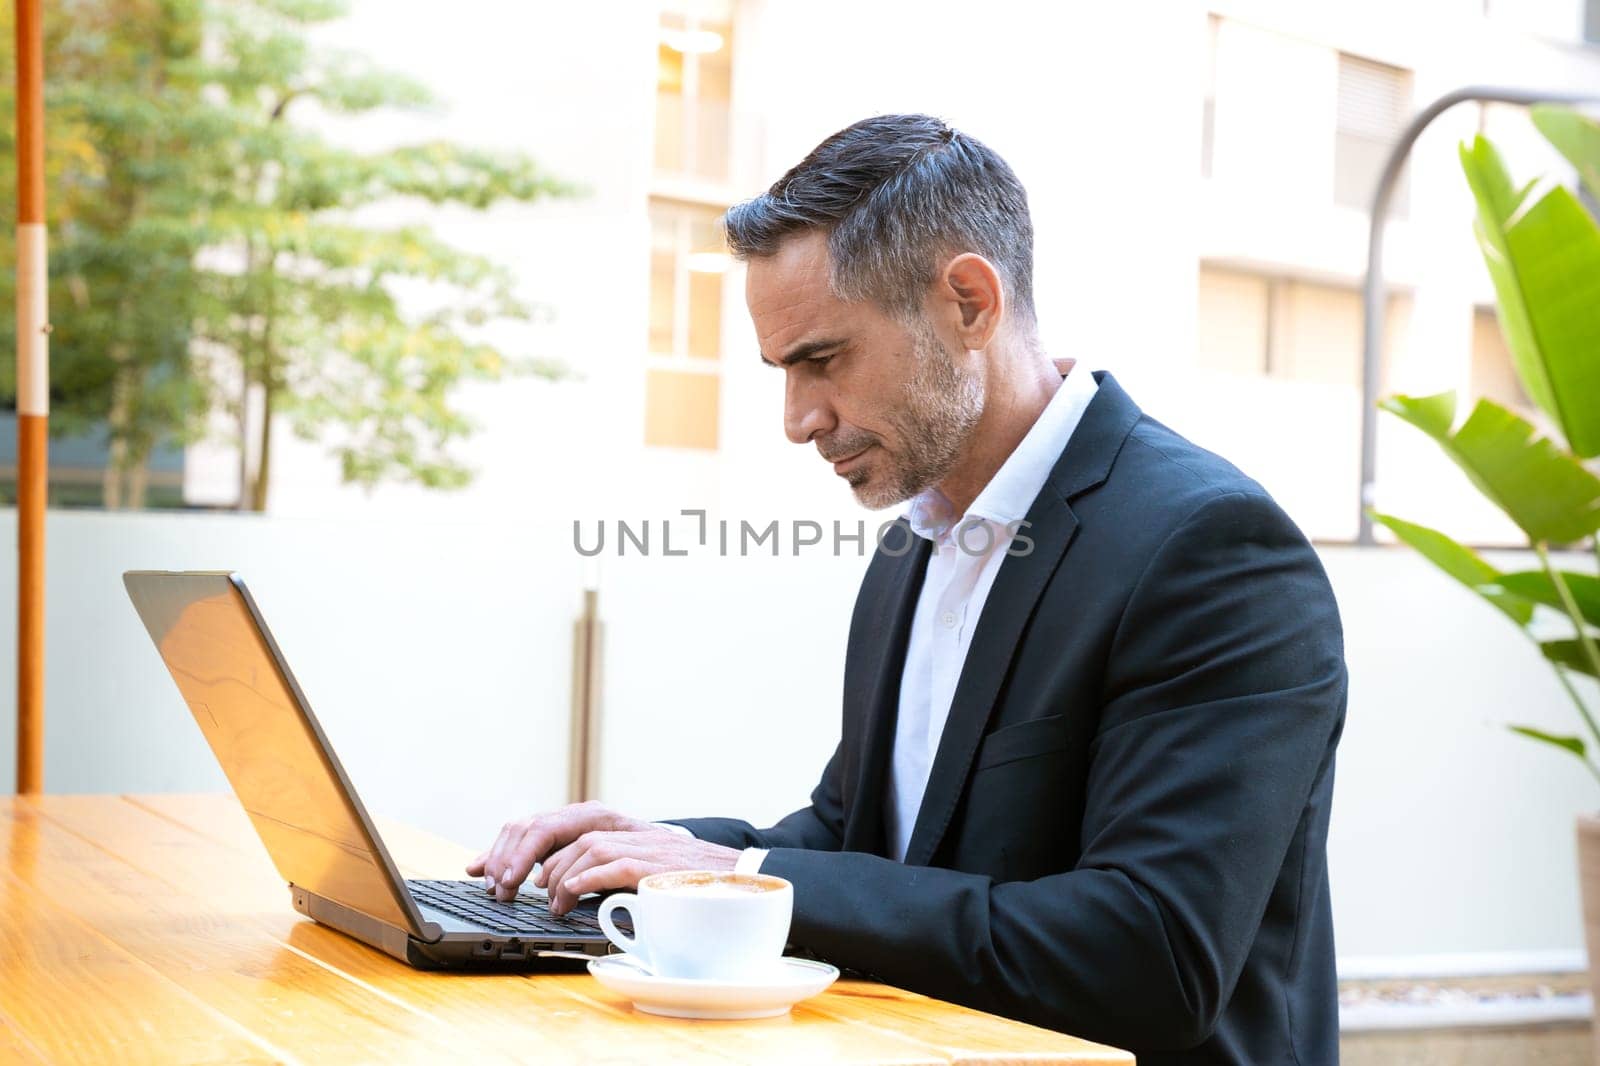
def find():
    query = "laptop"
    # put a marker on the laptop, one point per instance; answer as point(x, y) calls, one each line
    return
point(238, 687)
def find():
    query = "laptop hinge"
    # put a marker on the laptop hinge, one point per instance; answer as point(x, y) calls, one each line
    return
point(364, 927)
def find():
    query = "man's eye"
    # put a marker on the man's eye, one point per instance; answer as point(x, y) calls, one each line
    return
point(820, 361)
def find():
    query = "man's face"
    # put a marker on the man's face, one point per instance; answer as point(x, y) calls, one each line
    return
point(888, 404)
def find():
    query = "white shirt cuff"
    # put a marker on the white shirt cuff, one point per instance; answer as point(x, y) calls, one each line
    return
point(676, 829)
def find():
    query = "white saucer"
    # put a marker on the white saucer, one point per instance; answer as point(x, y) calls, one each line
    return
point(792, 980)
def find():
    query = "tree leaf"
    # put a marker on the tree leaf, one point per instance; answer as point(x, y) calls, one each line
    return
point(1461, 563)
point(1545, 491)
point(1572, 744)
point(1536, 585)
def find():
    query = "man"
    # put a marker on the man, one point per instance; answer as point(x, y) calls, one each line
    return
point(1094, 679)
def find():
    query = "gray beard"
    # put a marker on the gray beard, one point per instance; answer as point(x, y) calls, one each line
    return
point(943, 404)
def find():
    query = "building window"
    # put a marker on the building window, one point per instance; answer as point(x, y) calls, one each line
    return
point(681, 409)
point(694, 82)
point(1494, 374)
point(1233, 321)
point(1591, 21)
point(1374, 103)
point(1258, 325)
point(693, 91)
point(688, 259)
point(1208, 93)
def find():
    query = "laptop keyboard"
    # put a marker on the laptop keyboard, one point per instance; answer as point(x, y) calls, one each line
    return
point(468, 901)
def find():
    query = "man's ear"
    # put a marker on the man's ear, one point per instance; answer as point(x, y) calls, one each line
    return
point(971, 299)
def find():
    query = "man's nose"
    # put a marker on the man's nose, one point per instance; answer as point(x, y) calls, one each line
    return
point(805, 410)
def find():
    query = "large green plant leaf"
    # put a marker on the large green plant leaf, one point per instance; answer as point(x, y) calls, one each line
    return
point(1572, 744)
point(1497, 201)
point(1555, 250)
point(1545, 491)
point(1574, 135)
point(1536, 585)
point(1544, 260)
point(1498, 197)
point(1461, 563)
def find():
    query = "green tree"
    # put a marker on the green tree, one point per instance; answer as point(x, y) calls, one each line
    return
point(311, 309)
point(208, 247)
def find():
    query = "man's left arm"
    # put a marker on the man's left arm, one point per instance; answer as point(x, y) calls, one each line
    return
point(1225, 695)
point(588, 847)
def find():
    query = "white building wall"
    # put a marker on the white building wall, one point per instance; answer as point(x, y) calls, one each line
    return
point(437, 656)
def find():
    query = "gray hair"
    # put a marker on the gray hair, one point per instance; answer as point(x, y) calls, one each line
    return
point(897, 195)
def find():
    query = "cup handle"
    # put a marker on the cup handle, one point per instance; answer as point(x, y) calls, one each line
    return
point(629, 944)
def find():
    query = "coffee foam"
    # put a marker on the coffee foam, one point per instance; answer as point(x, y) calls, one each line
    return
point(724, 891)
point(715, 885)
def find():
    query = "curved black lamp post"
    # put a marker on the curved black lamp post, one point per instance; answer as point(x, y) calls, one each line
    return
point(1373, 292)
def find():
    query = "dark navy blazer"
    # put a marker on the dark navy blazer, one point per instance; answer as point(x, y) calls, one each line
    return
point(1124, 830)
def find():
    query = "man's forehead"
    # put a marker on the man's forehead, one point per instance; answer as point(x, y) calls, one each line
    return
point(789, 294)
point(798, 267)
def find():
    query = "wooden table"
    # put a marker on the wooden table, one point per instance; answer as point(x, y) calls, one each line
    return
point(154, 929)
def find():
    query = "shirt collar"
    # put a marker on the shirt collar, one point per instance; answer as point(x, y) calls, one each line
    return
point(1018, 482)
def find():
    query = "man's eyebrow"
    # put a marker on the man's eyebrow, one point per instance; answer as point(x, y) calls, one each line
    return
point(804, 351)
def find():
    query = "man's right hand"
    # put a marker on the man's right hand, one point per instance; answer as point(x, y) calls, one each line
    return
point(531, 840)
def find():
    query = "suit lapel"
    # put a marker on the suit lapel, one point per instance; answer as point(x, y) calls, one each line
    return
point(1084, 464)
point(883, 645)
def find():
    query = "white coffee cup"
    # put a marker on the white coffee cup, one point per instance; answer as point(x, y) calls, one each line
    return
point(704, 925)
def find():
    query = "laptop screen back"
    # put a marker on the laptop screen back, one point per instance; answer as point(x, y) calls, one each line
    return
point(270, 747)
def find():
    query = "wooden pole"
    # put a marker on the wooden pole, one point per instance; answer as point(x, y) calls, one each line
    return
point(583, 744)
point(33, 396)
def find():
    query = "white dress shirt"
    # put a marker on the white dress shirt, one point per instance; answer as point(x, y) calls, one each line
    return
point(967, 553)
